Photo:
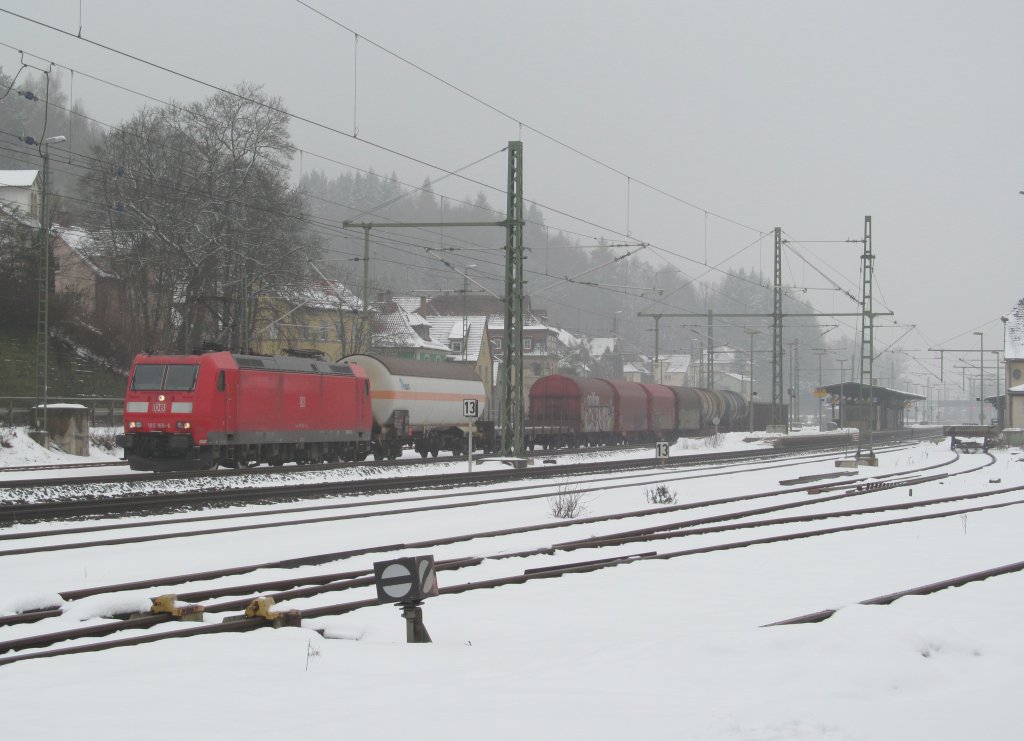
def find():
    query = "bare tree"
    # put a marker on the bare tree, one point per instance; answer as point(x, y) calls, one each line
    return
point(200, 219)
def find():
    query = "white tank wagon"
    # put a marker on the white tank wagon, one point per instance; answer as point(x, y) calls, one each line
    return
point(419, 404)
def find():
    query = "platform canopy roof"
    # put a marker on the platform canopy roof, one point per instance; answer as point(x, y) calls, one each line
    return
point(853, 389)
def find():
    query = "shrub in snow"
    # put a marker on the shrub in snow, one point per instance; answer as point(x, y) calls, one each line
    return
point(6, 433)
point(660, 495)
point(102, 438)
point(567, 504)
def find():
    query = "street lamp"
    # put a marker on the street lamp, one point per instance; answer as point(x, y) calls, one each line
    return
point(751, 332)
point(842, 388)
point(1004, 422)
point(981, 379)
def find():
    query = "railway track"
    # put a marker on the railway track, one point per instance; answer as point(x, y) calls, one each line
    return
point(469, 500)
point(91, 504)
point(888, 599)
point(812, 441)
point(61, 466)
point(300, 586)
point(248, 614)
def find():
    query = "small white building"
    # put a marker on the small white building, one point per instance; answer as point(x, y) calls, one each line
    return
point(1013, 336)
point(20, 188)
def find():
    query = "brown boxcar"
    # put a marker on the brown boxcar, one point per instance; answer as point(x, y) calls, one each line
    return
point(571, 411)
point(631, 410)
point(661, 409)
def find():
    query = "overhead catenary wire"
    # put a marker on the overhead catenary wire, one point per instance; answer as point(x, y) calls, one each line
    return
point(400, 154)
point(538, 204)
point(522, 125)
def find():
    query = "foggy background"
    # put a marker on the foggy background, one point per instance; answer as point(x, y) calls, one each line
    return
point(694, 128)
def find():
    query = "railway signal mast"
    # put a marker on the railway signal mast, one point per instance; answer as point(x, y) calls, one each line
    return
point(776, 419)
point(512, 417)
point(865, 447)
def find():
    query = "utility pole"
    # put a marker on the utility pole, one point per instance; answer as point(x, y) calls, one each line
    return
point(776, 414)
point(981, 378)
point(820, 352)
point(711, 353)
point(795, 382)
point(999, 393)
point(657, 355)
point(465, 316)
point(777, 316)
point(512, 422)
point(842, 388)
point(865, 441)
point(750, 403)
point(43, 314)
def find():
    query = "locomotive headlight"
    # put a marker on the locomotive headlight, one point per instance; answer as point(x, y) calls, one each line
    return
point(135, 425)
point(184, 425)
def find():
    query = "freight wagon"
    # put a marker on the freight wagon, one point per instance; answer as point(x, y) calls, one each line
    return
point(419, 404)
point(566, 411)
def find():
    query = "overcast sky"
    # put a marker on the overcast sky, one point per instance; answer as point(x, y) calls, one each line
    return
point(806, 115)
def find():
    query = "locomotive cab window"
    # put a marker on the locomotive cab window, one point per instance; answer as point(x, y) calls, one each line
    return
point(181, 377)
point(166, 377)
point(221, 385)
point(148, 377)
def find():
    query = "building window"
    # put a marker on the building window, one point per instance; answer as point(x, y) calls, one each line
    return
point(304, 330)
point(1016, 374)
point(497, 343)
point(323, 331)
point(527, 343)
point(272, 332)
point(456, 345)
point(541, 347)
point(537, 370)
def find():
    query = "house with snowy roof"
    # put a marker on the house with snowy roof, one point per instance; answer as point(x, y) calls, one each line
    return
point(19, 190)
point(674, 370)
point(397, 333)
point(84, 274)
point(315, 314)
point(469, 342)
point(541, 342)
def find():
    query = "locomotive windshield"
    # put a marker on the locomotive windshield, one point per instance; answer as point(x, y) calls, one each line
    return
point(164, 377)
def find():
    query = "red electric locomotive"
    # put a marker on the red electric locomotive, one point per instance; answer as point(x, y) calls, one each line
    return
point(201, 411)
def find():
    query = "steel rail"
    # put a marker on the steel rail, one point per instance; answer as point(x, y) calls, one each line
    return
point(888, 599)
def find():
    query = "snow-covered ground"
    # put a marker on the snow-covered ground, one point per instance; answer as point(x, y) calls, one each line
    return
point(657, 649)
